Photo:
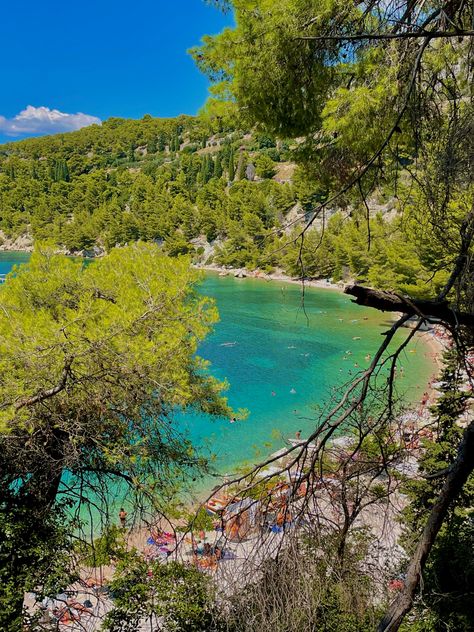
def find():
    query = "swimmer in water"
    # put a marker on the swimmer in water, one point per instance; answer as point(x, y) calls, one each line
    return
point(273, 393)
point(233, 420)
point(293, 391)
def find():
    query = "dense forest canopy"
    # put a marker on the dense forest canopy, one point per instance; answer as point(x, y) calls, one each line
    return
point(225, 195)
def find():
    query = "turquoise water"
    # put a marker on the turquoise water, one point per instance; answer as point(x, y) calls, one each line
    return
point(281, 360)
point(9, 259)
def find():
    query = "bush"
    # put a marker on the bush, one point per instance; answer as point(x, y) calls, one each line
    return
point(171, 596)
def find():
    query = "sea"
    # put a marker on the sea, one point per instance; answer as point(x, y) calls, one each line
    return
point(284, 355)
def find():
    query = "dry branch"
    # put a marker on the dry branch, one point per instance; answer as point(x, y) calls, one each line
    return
point(456, 478)
point(390, 302)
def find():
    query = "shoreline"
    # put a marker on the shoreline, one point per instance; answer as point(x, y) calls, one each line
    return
point(239, 273)
point(243, 273)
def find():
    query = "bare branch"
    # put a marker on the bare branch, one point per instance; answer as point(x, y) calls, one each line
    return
point(390, 302)
point(386, 36)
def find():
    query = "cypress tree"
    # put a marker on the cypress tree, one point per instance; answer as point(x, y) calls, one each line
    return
point(218, 166)
point(231, 168)
point(161, 142)
point(210, 167)
point(59, 171)
point(64, 171)
point(177, 141)
point(203, 171)
point(241, 166)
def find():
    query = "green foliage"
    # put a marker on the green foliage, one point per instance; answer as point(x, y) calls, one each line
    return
point(179, 597)
point(199, 521)
point(95, 360)
point(34, 556)
point(264, 166)
point(449, 575)
point(110, 545)
point(263, 67)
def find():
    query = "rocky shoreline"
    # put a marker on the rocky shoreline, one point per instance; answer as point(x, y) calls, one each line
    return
point(24, 243)
point(278, 275)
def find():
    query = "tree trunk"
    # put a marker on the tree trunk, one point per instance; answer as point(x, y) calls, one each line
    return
point(32, 506)
point(458, 474)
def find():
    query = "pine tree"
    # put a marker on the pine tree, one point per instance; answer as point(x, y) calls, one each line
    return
point(447, 592)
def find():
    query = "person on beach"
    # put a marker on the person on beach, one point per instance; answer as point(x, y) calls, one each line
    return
point(122, 517)
point(298, 434)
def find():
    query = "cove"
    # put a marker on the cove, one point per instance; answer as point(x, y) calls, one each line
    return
point(282, 360)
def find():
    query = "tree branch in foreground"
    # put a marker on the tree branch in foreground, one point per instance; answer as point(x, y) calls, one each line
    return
point(458, 474)
point(42, 395)
point(390, 302)
point(387, 36)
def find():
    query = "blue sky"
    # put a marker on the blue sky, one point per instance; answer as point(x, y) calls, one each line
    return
point(74, 62)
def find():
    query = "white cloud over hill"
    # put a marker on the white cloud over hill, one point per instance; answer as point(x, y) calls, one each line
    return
point(43, 120)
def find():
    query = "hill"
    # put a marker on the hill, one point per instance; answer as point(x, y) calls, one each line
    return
point(166, 180)
point(225, 196)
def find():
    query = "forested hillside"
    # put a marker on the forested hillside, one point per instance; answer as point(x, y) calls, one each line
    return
point(226, 196)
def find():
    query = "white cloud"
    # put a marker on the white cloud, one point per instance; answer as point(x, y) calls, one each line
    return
point(43, 120)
